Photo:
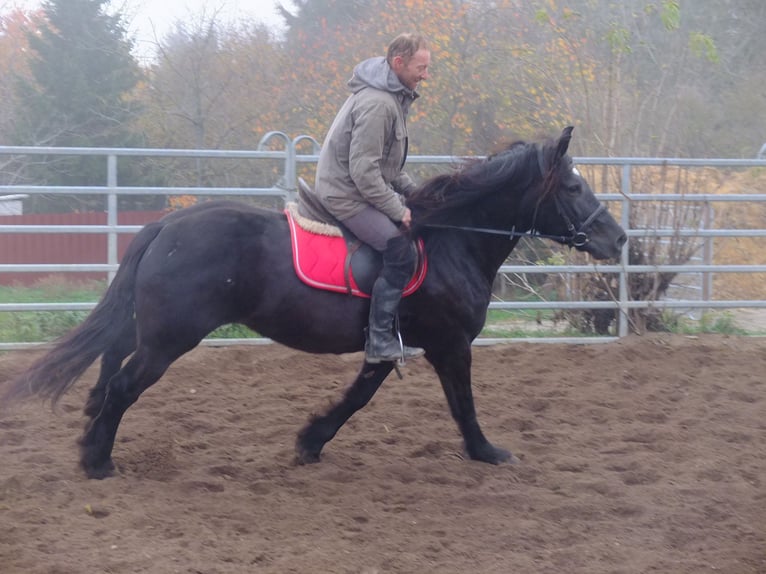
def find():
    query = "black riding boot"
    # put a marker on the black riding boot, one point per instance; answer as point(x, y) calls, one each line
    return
point(382, 344)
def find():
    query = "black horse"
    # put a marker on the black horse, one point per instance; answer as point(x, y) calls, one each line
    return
point(225, 262)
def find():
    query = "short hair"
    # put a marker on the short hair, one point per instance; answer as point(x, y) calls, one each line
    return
point(405, 45)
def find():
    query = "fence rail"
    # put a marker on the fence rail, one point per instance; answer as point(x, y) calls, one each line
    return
point(285, 187)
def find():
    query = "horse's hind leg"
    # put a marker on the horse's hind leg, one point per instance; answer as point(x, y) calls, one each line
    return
point(321, 429)
point(143, 369)
point(111, 363)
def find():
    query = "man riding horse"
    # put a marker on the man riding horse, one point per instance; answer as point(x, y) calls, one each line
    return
point(360, 182)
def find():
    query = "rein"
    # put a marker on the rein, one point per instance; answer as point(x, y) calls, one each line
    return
point(505, 233)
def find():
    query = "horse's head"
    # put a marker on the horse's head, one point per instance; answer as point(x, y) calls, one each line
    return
point(567, 210)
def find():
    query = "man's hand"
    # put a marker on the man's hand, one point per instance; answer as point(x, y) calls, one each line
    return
point(407, 219)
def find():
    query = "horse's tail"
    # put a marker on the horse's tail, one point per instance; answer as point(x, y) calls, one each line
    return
point(54, 373)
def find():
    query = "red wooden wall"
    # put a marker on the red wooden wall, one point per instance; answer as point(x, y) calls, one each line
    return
point(26, 248)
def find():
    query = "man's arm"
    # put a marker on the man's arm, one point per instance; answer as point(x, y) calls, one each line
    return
point(403, 184)
point(371, 123)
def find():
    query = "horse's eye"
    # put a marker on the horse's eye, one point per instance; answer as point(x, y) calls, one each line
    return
point(574, 188)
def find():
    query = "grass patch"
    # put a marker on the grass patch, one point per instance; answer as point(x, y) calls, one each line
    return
point(233, 331)
point(524, 323)
point(43, 326)
point(711, 323)
point(35, 326)
point(53, 290)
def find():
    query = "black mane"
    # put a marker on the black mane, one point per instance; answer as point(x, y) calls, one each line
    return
point(446, 196)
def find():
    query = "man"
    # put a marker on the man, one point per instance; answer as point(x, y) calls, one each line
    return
point(359, 177)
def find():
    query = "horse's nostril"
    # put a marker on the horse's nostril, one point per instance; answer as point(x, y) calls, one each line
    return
point(621, 240)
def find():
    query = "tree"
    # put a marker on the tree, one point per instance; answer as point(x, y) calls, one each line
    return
point(490, 83)
point(13, 66)
point(658, 72)
point(82, 74)
point(79, 93)
point(726, 119)
point(323, 42)
point(212, 87)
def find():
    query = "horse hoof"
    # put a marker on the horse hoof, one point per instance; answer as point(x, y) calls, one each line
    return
point(493, 455)
point(505, 457)
point(99, 471)
point(304, 457)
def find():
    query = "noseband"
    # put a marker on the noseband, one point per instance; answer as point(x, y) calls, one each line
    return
point(578, 237)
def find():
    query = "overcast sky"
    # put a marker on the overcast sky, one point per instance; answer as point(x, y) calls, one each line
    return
point(150, 20)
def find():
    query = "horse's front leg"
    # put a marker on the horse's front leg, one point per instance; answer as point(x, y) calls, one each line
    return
point(453, 365)
point(321, 429)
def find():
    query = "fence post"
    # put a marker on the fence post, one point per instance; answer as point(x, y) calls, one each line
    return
point(111, 214)
point(707, 253)
point(290, 173)
point(315, 149)
point(622, 316)
point(287, 181)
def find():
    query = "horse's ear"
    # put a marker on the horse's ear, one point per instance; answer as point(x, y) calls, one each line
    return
point(563, 146)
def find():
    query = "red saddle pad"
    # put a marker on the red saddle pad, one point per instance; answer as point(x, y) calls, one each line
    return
point(323, 262)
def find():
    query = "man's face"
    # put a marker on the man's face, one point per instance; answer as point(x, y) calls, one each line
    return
point(411, 72)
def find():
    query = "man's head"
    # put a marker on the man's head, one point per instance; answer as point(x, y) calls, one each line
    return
point(409, 58)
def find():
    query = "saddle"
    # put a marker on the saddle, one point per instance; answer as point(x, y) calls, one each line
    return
point(329, 257)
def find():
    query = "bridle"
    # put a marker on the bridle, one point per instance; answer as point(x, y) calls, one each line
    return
point(577, 237)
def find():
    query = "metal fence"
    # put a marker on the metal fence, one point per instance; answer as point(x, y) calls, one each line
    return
point(285, 187)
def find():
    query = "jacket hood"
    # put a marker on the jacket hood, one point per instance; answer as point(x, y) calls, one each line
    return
point(376, 73)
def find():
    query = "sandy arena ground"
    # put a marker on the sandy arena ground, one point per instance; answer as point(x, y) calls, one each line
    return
point(644, 455)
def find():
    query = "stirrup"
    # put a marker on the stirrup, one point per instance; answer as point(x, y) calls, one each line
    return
point(400, 358)
point(407, 352)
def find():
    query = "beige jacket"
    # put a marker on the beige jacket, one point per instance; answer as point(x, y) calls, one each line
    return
point(364, 152)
